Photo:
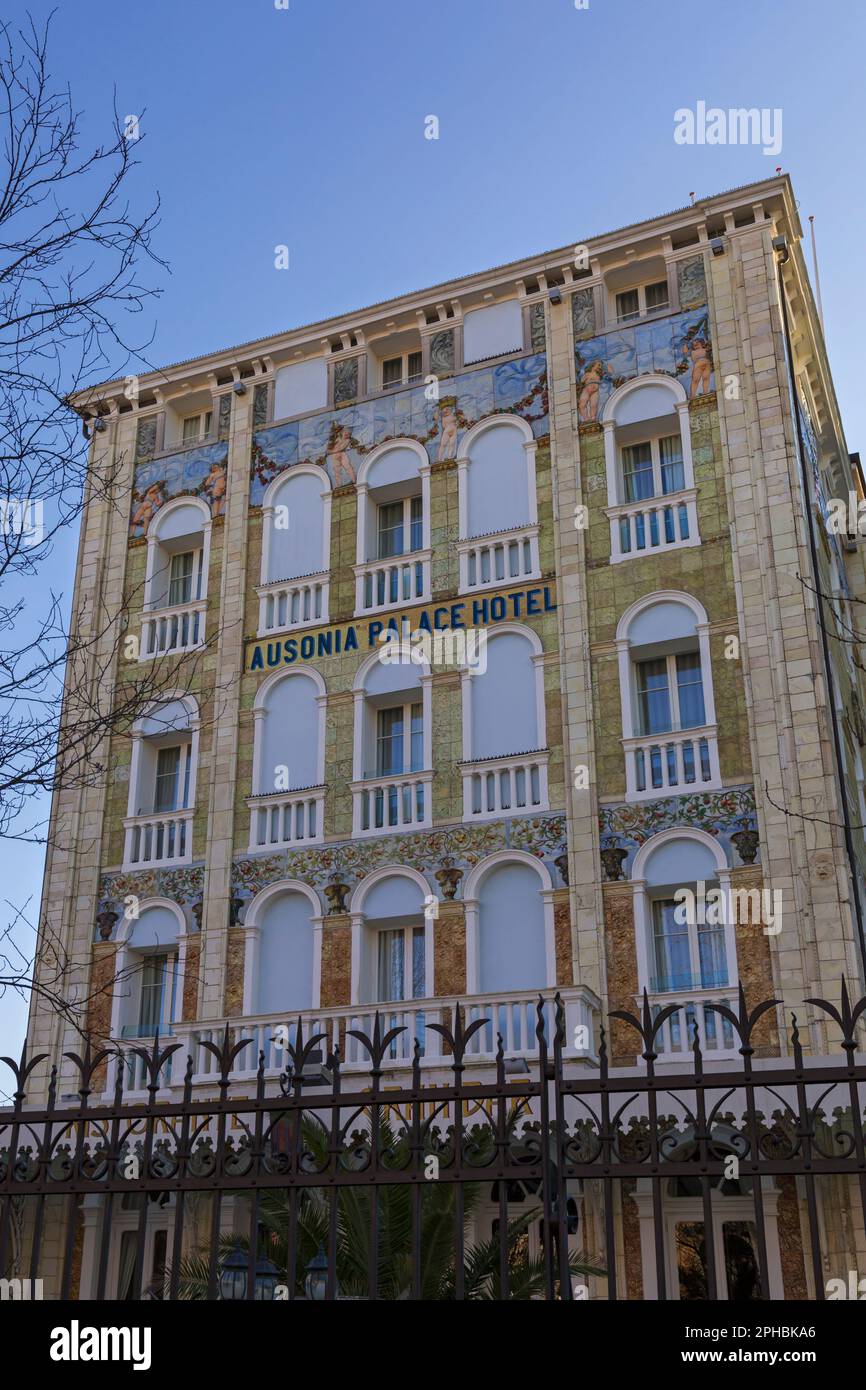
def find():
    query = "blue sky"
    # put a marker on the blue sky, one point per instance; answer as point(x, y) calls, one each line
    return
point(305, 127)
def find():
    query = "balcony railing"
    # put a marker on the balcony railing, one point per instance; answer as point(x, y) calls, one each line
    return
point(382, 804)
point(169, 630)
point(653, 524)
point(287, 818)
point(512, 1015)
point(163, 838)
point(675, 1039)
point(670, 764)
point(504, 557)
point(293, 603)
point(505, 786)
point(391, 583)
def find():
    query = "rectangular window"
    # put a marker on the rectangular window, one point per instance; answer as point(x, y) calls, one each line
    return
point(653, 694)
point(627, 306)
point(671, 948)
point(637, 465)
point(389, 742)
point(180, 578)
point(656, 296)
point(690, 691)
point(150, 1009)
point(196, 427)
point(167, 779)
point(399, 948)
point(417, 750)
point(415, 524)
point(392, 371)
point(671, 459)
point(390, 526)
point(414, 367)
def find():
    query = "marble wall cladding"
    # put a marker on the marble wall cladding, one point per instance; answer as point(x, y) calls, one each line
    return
point(728, 815)
point(677, 345)
point(345, 380)
point(442, 352)
point(339, 440)
point(197, 472)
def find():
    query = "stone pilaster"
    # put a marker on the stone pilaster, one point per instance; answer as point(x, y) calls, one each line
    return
point(449, 949)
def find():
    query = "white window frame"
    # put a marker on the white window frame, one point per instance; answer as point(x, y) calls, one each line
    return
point(408, 548)
point(670, 660)
point(643, 311)
point(155, 547)
point(405, 378)
point(204, 422)
point(376, 929)
point(654, 442)
point(406, 708)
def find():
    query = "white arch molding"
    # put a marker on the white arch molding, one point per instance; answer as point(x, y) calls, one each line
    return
point(424, 677)
point(362, 492)
point(530, 445)
point(125, 958)
point(468, 674)
point(358, 920)
point(137, 734)
point(642, 902)
point(260, 713)
point(253, 935)
point(154, 542)
point(295, 470)
point(471, 900)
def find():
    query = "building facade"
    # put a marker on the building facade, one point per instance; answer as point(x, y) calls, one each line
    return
point(483, 627)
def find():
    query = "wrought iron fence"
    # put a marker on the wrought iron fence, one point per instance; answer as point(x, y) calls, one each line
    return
point(741, 1179)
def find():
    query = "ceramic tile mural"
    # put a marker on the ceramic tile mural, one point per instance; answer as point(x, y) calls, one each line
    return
point(145, 437)
point(583, 312)
point(195, 472)
point(459, 849)
point(727, 815)
point(442, 353)
point(224, 416)
point(537, 338)
point(345, 380)
point(692, 282)
point(338, 440)
point(678, 345)
point(260, 405)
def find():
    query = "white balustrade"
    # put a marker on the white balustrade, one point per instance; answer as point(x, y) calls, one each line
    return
point(504, 557)
point(653, 524)
point(162, 839)
point(383, 804)
point(166, 631)
point(293, 603)
point(392, 583)
point(505, 786)
point(287, 818)
point(670, 764)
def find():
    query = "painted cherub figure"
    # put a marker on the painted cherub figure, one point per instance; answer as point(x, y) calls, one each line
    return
point(337, 453)
point(702, 367)
point(587, 401)
point(213, 488)
point(448, 436)
point(147, 508)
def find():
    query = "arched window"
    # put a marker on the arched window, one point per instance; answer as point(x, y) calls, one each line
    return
point(287, 805)
point(175, 586)
point(393, 943)
point(149, 976)
point(392, 749)
point(503, 723)
point(162, 780)
point(296, 548)
point(283, 941)
point(666, 693)
point(685, 935)
point(510, 946)
point(652, 500)
point(497, 503)
point(393, 541)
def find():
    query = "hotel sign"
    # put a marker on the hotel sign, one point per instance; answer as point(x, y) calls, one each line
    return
point(364, 635)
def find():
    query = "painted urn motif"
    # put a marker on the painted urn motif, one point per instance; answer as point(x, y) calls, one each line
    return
point(612, 859)
point(746, 840)
point(448, 876)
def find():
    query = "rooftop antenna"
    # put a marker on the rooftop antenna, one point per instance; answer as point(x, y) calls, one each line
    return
point(815, 271)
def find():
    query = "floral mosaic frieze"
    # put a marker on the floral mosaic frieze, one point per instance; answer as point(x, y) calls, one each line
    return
point(729, 816)
point(339, 440)
point(193, 473)
point(184, 886)
point(445, 856)
point(677, 345)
